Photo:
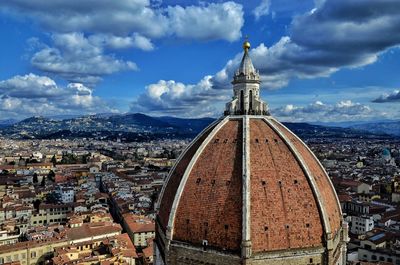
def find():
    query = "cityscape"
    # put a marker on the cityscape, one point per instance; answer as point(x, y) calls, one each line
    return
point(288, 154)
point(72, 201)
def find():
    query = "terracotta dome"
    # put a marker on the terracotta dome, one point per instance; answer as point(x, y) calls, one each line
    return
point(248, 190)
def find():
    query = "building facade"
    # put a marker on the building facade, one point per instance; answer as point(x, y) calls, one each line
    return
point(361, 224)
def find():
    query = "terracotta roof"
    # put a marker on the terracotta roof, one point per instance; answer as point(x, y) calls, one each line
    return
point(126, 244)
point(344, 198)
point(284, 212)
point(328, 193)
point(138, 224)
point(148, 251)
point(285, 178)
point(28, 244)
point(349, 183)
point(209, 208)
point(92, 229)
point(176, 177)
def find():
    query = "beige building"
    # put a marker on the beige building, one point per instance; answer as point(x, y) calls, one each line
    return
point(51, 214)
point(32, 252)
point(115, 250)
point(8, 237)
point(139, 229)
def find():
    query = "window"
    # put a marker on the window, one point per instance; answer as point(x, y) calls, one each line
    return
point(373, 257)
point(251, 100)
point(241, 101)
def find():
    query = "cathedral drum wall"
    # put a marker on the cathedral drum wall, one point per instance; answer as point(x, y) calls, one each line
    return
point(294, 260)
point(186, 255)
point(158, 260)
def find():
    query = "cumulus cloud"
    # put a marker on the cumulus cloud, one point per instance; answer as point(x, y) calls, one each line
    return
point(29, 86)
point(344, 110)
point(175, 98)
point(125, 17)
point(392, 97)
point(209, 22)
point(85, 32)
point(117, 42)
point(31, 94)
point(262, 9)
point(77, 58)
point(336, 34)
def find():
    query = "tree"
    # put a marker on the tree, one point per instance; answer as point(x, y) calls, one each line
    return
point(53, 198)
point(36, 204)
point(35, 178)
point(43, 183)
point(51, 175)
point(53, 160)
point(85, 158)
point(69, 159)
point(23, 237)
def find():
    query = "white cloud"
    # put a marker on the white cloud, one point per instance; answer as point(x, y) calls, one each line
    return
point(29, 86)
point(210, 22)
point(126, 17)
point(336, 34)
point(116, 42)
point(175, 98)
point(344, 110)
point(392, 97)
point(28, 95)
point(262, 9)
point(84, 32)
point(78, 59)
point(121, 17)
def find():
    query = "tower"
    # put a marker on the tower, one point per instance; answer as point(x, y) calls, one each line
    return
point(248, 191)
point(246, 89)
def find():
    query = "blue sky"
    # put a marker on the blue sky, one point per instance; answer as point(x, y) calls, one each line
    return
point(325, 60)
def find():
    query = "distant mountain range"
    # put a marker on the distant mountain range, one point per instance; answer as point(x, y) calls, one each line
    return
point(385, 126)
point(137, 126)
point(8, 122)
point(133, 126)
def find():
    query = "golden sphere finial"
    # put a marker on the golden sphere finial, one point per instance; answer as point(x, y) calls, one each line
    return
point(246, 44)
